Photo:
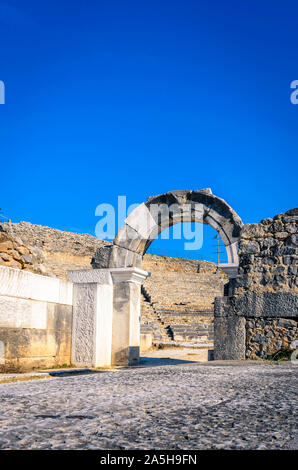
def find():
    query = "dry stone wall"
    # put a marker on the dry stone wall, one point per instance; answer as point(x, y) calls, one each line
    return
point(15, 254)
point(268, 255)
point(268, 263)
point(264, 294)
point(267, 336)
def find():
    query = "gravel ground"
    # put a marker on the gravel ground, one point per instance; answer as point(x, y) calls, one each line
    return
point(177, 405)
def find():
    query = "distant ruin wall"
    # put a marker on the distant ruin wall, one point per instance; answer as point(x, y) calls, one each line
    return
point(265, 291)
point(15, 254)
point(45, 250)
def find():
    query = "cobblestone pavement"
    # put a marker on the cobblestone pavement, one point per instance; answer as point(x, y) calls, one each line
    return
point(179, 406)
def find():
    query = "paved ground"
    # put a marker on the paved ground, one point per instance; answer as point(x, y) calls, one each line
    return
point(177, 405)
point(186, 354)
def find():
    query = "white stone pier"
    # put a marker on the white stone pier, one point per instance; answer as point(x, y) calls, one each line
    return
point(106, 316)
point(126, 315)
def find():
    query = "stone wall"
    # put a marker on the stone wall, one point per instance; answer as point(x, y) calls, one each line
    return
point(35, 320)
point(266, 336)
point(268, 255)
point(265, 291)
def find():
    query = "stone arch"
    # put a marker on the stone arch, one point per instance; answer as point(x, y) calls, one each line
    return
point(150, 218)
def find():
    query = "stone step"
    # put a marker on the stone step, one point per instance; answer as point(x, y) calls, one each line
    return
point(181, 304)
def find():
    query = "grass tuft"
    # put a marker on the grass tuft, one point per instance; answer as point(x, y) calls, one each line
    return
point(281, 355)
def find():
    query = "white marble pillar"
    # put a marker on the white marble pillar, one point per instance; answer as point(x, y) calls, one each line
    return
point(126, 315)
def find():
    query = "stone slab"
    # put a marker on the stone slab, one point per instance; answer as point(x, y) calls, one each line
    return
point(229, 338)
point(266, 304)
point(99, 276)
point(31, 347)
point(22, 313)
point(141, 221)
point(92, 324)
point(128, 275)
point(26, 285)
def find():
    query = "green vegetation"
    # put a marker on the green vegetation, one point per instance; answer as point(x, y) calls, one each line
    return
point(281, 355)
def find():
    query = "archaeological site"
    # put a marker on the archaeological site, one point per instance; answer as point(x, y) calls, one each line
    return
point(148, 232)
point(69, 298)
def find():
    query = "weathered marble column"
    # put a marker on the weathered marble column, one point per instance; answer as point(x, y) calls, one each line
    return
point(92, 317)
point(126, 315)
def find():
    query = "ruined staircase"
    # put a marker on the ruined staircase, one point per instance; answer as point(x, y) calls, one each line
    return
point(177, 301)
point(151, 321)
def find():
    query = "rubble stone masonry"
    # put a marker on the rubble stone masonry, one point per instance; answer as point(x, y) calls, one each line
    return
point(265, 291)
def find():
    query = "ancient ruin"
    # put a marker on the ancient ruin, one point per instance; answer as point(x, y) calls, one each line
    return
point(99, 316)
point(259, 317)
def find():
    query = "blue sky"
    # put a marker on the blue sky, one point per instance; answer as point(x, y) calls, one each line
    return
point(139, 98)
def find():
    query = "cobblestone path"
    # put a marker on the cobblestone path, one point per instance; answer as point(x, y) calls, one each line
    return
point(182, 406)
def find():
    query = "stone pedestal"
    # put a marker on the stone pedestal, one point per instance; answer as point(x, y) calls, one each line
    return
point(92, 317)
point(126, 315)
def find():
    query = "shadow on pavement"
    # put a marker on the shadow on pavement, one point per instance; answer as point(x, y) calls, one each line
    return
point(162, 361)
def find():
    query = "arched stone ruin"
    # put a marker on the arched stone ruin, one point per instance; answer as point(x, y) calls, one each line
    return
point(149, 219)
point(107, 299)
point(99, 309)
point(106, 310)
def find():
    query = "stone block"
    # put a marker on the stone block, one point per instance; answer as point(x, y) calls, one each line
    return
point(292, 212)
point(115, 256)
point(141, 221)
point(268, 242)
point(26, 285)
point(36, 348)
point(252, 231)
point(267, 221)
point(145, 342)
point(6, 246)
point(120, 257)
point(269, 260)
point(22, 313)
point(266, 304)
point(128, 238)
point(126, 315)
point(59, 317)
point(4, 256)
point(291, 227)
point(247, 248)
point(101, 258)
point(293, 270)
point(85, 276)
point(292, 240)
point(229, 337)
